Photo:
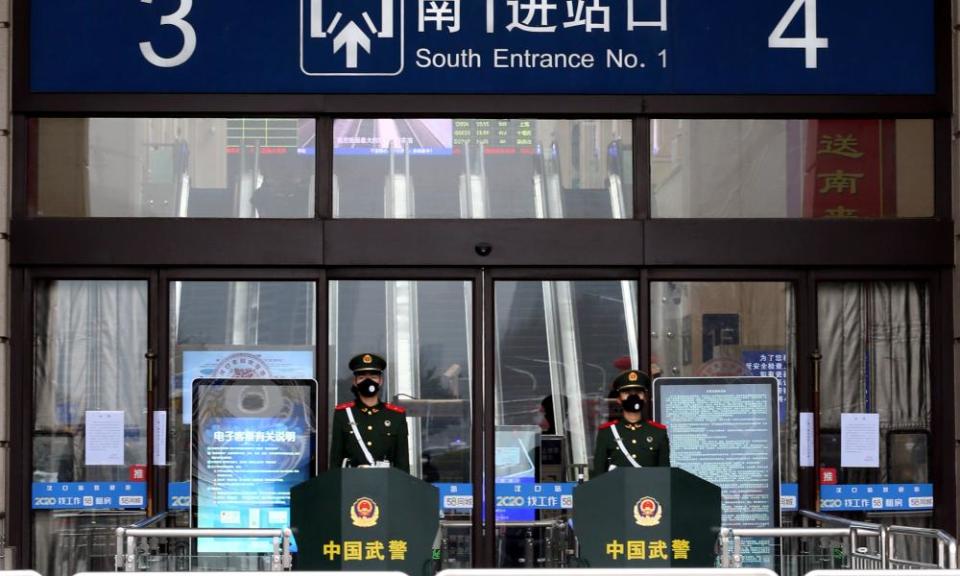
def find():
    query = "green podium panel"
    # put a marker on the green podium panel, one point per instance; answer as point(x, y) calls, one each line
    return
point(647, 518)
point(365, 519)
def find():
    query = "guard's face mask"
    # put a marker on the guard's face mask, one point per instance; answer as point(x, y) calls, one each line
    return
point(632, 403)
point(368, 387)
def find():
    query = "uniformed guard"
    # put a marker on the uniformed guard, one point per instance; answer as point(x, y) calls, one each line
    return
point(366, 431)
point(631, 441)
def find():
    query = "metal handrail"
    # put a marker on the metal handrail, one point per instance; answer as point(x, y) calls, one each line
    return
point(946, 546)
point(149, 521)
point(821, 517)
point(281, 558)
point(734, 558)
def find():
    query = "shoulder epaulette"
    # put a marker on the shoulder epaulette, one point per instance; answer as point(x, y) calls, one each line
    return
point(394, 407)
point(606, 425)
point(345, 405)
point(656, 424)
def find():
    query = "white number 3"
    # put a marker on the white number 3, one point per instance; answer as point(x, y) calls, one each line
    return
point(810, 43)
point(189, 38)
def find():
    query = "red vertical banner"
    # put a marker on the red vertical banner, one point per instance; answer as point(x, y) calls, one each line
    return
point(850, 169)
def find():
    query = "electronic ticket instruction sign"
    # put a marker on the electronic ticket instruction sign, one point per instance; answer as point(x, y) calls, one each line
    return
point(725, 431)
point(253, 440)
point(483, 46)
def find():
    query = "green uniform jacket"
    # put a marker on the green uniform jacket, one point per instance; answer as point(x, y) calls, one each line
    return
point(646, 441)
point(384, 431)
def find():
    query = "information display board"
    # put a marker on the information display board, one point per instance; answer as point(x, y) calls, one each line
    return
point(516, 455)
point(725, 431)
point(484, 46)
point(241, 363)
point(253, 440)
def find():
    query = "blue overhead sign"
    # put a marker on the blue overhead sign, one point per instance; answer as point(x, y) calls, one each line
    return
point(484, 46)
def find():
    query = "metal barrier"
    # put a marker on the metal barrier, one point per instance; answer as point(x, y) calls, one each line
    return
point(558, 539)
point(945, 546)
point(126, 556)
point(861, 556)
point(866, 553)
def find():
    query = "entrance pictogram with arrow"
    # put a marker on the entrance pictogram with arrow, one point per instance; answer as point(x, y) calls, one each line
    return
point(351, 37)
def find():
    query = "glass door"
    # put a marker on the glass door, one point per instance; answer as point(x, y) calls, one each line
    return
point(557, 346)
point(424, 328)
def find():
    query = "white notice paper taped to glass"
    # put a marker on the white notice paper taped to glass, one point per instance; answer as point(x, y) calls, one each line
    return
point(860, 440)
point(104, 438)
point(806, 439)
point(160, 438)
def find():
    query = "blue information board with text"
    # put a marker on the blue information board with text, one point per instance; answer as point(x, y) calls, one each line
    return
point(484, 46)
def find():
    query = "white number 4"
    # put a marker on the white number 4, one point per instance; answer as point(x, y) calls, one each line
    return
point(809, 42)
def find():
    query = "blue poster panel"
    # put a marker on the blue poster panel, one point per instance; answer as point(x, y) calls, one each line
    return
point(252, 442)
point(484, 46)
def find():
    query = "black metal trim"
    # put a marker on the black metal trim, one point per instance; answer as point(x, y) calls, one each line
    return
point(943, 463)
point(642, 188)
point(324, 167)
point(166, 242)
point(19, 524)
point(499, 105)
point(479, 557)
point(808, 480)
point(489, 421)
point(321, 367)
point(454, 242)
point(806, 243)
point(370, 244)
point(161, 332)
point(942, 166)
point(20, 165)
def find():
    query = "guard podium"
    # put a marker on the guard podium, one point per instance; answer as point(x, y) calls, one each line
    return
point(365, 519)
point(647, 518)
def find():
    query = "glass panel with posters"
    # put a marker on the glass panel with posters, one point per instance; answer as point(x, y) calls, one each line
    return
point(423, 331)
point(875, 402)
point(559, 346)
point(827, 168)
point(482, 168)
point(732, 329)
point(174, 167)
point(240, 330)
point(89, 425)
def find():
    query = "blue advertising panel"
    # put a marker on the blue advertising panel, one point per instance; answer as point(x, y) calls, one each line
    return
point(521, 496)
point(252, 442)
point(89, 495)
point(484, 46)
point(876, 497)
